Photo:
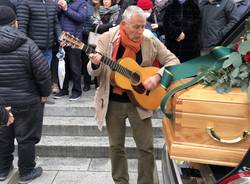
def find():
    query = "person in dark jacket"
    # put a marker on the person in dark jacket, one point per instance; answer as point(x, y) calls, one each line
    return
point(39, 21)
point(72, 16)
point(218, 17)
point(87, 27)
point(181, 25)
point(108, 12)
point(24, 85)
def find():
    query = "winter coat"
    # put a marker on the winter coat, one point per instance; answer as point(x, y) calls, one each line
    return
point(151, 48)
point(108, 17)
point(3, 115)
point(182, 18)
point(88, 22)
point(38, 20)
point(72, 20)
point(218, 18)
point(243, 6)
point(24, 72)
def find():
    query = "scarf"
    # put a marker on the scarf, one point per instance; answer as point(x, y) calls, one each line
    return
point(131, 47)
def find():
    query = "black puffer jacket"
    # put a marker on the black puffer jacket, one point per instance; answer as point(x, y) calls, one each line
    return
point(24, 72)
point(38, 20)
point(3, 115)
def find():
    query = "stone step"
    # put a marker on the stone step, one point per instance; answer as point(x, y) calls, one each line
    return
point(84, 107)
point(87, 146)
point(84, 126)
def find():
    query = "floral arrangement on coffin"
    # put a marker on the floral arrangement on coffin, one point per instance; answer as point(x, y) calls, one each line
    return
point(235, 71)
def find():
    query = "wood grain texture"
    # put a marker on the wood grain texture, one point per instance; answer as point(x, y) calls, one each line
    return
point(198, 108)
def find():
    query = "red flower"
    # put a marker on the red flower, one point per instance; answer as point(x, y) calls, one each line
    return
point(236, 47)
point(246, 57)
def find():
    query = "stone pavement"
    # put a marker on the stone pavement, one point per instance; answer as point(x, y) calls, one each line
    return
point(77, 171)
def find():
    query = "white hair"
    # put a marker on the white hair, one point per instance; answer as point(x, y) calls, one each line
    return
point(131, 11)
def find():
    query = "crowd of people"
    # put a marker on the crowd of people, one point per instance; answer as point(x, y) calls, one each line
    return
point(159, 33)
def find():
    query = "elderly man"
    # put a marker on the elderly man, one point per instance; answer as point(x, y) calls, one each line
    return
point(24, 85)
point(114, 105)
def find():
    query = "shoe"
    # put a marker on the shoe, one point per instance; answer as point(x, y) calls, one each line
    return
point(61, 94)
point(86, 87)
point(4, 175)
point(74, 97)
point(55, 88)
point(36, 172)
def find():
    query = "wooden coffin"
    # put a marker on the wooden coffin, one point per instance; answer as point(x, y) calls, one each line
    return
point(208, 127)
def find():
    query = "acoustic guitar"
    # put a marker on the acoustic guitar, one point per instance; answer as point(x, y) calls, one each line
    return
point(127, 74)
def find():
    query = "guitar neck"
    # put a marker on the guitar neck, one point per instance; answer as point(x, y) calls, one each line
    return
point(114, 65)
point(74, 42)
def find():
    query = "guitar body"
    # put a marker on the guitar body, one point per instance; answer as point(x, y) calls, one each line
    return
point(149, 100)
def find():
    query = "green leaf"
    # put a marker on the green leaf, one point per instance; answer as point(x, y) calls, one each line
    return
point(235, 72)
point(243, 75)
point(227, 63)
point(244, 47)
point(236, 59)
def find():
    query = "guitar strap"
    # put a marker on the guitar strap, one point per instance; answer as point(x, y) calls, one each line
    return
point(189, 69)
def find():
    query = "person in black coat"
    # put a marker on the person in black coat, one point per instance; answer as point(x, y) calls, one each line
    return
point(24, 86)
point(181, 24)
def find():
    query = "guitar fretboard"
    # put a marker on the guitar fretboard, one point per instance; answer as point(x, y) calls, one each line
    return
point(114, 65)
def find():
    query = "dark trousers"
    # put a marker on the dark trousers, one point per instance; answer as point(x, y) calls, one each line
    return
point(143, 136)
point(54, 64)
point(27, 131)
point(85, 60)
point(73, 65)
point(87, 77)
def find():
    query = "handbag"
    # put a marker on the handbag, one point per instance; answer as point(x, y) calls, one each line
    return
point(93, 37)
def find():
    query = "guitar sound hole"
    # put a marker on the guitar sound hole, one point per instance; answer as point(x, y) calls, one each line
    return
point(139, 88)
point(135, 78)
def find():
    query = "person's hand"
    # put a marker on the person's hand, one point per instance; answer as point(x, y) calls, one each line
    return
point(11, 118)
point(152, 82)
point(44, 99)
point(181, 37)
point(95, 58)
point(62, 44)
point(63, 5)
point(154, 26)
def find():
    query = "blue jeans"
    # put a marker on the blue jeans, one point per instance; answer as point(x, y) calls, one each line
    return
point(47, 54)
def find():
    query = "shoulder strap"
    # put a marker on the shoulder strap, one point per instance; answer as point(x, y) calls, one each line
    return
point(189, 69)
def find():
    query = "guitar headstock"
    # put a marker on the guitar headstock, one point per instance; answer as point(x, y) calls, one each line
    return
point(69, 40)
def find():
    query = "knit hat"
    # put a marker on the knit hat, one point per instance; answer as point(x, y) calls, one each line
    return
point(145, 4)
point(7, 15)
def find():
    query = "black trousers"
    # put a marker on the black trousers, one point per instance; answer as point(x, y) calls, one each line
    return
point(73, 65)
point(85, 60)
point(27, 130)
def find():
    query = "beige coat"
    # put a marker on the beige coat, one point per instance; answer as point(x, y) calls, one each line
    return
point(151, 48)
